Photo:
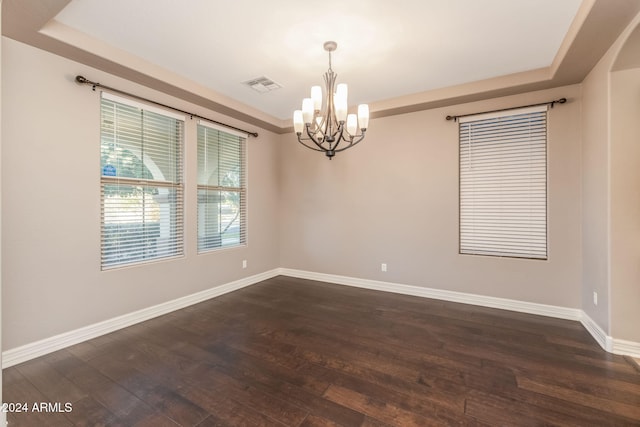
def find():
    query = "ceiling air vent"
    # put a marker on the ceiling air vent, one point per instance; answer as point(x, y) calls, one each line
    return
point(262, 84)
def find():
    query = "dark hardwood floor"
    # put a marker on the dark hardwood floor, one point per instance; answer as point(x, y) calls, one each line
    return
point(291, 352)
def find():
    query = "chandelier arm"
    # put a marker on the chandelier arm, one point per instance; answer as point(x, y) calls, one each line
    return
point(318, 142)
point(325, 125)
point(315, 140)
point(341, 138)
point(318, 132)
point(352, 143)
point(301, 141)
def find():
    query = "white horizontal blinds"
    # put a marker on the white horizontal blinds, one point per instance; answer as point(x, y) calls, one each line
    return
point(503, 184)
point(221, 188)
point(141, 183)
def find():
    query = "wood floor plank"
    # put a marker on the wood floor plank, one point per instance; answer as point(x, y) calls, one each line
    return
point(88, 412)
point(264, 403)
point(113, 396)
point(213, 421)
point(21, 391)
point(532, 408)
point(383, 411)
point(157, 420)
point(300, 353)
point(629, 410)
point(199, 376)
point(164, 400)
point(228, 410)
point(372, 422)
point(409, 382)
point(538, 360)
point(251, 371)
point(317, 421)
point(503, 411)
point(602, 388)
point(50, 383)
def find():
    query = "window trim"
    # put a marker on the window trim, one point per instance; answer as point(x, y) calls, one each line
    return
point(179, 186)
point(470, 249)
point(242, 190)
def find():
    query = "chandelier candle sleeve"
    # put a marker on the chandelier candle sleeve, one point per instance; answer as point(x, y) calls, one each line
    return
point(329, 128)
point(316, 95)
point(363, 115)
point(298, 122)
point(341, 107)
point(307, 110)
point(352, 124)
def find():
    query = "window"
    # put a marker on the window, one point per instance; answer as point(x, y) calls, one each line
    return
point(141, 183)
point(503, 184)
point(221, 188)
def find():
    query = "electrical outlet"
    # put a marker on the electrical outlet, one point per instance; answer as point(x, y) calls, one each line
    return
point(595, 298)
point(244, 263)
point(383, 267)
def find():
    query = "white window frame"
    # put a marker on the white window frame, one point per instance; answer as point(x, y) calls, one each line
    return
point(503, 184)
point(209, 241)
point(164, 196)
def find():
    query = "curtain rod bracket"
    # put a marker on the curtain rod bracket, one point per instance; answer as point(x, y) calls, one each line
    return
point(83, 80)
point(559, 101)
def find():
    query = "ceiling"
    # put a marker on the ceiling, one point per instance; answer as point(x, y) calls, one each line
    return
point(384, 51)
point(397, 56)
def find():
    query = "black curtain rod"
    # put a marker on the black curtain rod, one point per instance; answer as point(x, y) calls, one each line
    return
point(84, 81)
point(557, 101)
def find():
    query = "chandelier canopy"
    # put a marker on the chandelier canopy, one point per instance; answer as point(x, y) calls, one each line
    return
point(328, 128)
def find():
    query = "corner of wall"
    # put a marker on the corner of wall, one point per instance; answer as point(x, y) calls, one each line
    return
point(601, 262)
point(3, 415)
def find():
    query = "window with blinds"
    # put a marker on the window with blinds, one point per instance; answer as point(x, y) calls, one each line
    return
point(141, 182)
point(221, 188)
point(503, 184)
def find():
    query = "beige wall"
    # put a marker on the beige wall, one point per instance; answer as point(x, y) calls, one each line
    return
point(625, 204)
point(394, 199)
point(595, 194)
point(51, 275)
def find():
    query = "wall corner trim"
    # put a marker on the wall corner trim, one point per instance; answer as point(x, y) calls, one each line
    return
point(597, 332)
point(30, 351)
point(607, 342)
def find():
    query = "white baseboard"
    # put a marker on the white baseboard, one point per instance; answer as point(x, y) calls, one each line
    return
point(630, 348)
point(465, 298)
point(608, 343)
point(30, 351)
point(601, 337)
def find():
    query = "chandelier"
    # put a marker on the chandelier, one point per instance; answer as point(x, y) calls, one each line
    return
point(328, 128)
